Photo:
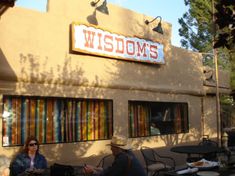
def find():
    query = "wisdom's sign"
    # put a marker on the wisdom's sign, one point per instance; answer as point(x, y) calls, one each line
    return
point(95, 41)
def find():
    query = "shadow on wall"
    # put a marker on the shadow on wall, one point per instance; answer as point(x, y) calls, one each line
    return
point(60, 81)
point(6, 72)
point(5, 5)
point(169, 140)
point(4, 162)
point(50, 79)
point(66, 74)
point(30, 73)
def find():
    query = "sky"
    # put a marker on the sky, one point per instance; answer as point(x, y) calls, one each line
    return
point(169, 10)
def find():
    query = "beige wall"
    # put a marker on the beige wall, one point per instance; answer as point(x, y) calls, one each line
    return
point(209, 116)
point(35, 59)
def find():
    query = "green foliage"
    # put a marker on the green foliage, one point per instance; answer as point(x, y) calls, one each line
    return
point(197, 32)
point(226, 100)
point(223, 62)
point(232, 58)
point(196, 26)
point(225, 21)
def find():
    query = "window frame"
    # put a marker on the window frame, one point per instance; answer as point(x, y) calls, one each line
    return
point(64, 99)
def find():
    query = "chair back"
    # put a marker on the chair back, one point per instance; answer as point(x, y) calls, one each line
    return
point(106, 161)
point(231, 138)
point(148, 155)
point(208, 142)
point(61, 170)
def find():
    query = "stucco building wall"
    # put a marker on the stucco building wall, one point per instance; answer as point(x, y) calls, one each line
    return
point(36, 59)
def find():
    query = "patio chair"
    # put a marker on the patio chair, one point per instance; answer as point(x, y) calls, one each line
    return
point(230, 153)
point(61, 170)
point(156, 163)
point(230, 148)
point(209, 143)
point(106, 161)
point(231, 160)
point(65, 170)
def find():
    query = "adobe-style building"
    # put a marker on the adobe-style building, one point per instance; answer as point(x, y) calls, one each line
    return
point(74, 76)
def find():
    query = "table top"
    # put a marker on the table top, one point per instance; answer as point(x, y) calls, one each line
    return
point(196, 149)
point(222, 172)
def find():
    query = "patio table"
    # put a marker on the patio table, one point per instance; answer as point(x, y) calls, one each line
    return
point(196, 149)
point(221, 171)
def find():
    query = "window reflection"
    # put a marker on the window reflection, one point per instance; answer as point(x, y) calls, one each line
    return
point(155, 118)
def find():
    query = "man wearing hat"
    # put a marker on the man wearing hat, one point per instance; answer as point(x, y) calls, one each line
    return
point(125, 163)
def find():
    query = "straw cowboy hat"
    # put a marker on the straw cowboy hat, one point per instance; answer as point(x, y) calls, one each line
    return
point(120, 142)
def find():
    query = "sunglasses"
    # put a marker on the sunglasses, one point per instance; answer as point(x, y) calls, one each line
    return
point(33, 144)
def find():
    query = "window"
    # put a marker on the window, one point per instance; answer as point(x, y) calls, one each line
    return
point(156, 118)
point(55, 120)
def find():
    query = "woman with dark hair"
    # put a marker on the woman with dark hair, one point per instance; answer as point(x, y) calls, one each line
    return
point(29, 161)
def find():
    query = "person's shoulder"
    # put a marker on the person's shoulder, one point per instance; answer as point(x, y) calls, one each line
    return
point(21, 155)
point(130, 152)
point(123, 156)
point(39, 155)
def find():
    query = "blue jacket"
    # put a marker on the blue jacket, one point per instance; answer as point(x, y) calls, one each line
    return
point(22, 162)
point(125, 164)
